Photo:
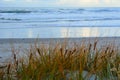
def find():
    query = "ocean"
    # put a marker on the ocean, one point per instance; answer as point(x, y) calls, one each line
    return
point(22, 22)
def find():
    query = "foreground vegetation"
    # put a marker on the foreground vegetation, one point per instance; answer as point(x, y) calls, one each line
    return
point(64, 61)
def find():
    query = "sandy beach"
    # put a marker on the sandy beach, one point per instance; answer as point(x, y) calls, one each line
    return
point(7, 44)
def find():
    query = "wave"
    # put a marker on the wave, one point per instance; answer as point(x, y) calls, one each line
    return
point(11, 19)
point(76, 10)
point(15, 20)
point(15, 11)
point(105, 10)
point(79, 10)
point(45, 11)
point(71, 10)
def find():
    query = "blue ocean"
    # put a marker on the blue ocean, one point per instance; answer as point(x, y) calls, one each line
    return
point(36, 22)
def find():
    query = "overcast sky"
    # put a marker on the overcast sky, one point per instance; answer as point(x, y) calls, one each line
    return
point(59, 3)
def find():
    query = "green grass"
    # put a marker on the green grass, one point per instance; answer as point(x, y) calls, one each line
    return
point(64, 61)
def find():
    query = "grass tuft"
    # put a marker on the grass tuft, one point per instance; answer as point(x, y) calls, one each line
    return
point(64, 61)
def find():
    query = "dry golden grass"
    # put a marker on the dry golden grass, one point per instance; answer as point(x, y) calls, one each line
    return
point(65, 61)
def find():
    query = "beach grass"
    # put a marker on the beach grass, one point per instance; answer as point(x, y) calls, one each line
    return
point(64, 61)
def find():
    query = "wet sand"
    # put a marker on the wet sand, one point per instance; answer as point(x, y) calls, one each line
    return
point(7, 44)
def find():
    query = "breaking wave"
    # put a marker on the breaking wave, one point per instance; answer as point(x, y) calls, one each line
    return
point(15, 11)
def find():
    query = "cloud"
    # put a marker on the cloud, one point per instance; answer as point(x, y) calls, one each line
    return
point(77, 2)
point(88, 3)
point(29, 0)
point(8, 0)
point(21, 0)
point(61, 3)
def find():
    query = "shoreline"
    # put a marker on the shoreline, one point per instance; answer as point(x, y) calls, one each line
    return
point(31, 40)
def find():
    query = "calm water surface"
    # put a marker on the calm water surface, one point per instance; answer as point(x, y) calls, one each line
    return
point(60, 32)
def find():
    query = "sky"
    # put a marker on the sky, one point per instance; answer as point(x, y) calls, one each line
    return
point(59, 3)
